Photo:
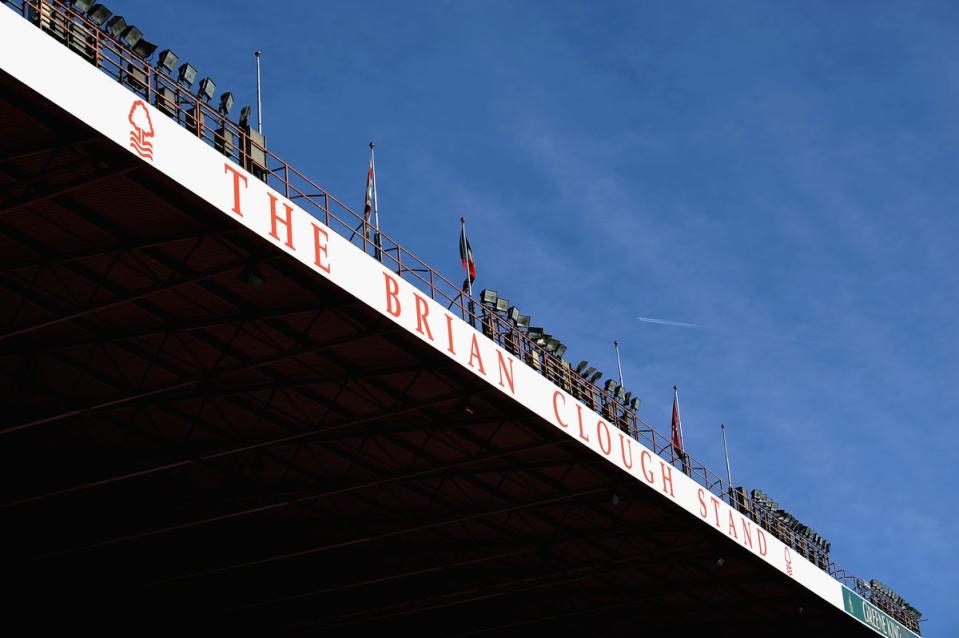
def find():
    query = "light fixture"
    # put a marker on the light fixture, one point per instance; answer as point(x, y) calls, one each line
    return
point(144, 48)
point(82, 5)
point(596, 377)
point(168, 60)
point(502, 304)
point(187, 74)
point(488, 297)
point(543, 339)
point(513, 314)
point(552, 344)
point(207, 88)
point(131, 36)
point(116, 26)
point(522, 321)
point(610, 385)
point(245, 116)
point(534, 333)
point(634, 404)
point(621, 394)
point(560, 350)
point(580, 366)
point(99, 14)
point(226, 103)
point(251, 278)
point(588, 372)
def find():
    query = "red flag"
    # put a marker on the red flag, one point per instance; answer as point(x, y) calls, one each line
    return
point(466, 258)
point(677, 425)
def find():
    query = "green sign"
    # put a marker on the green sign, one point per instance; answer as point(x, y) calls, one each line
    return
point(873, 617)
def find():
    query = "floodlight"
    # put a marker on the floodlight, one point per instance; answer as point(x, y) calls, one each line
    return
point(552, 344)
point(168, 60)
point(610, 385)
point(245, 116)
point(580, 366)
point(144, 48)
point(98, 13)
point(560, 350)
point(207, 88)
point(634, 404)
point(588, 372)
point(131, 36)
point(522, 321)
point(595, 377)
point(502, 304)
point(543, 339)
point(488, 297)
point(534, 332)
point(187, 74)
point(627, 397)
point(82, 5)
point(226, 103)
point(513, 314)
point(116, 26)
point(621, 394)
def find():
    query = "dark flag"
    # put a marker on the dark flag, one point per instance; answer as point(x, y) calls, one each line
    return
point(677, 427)
point(370, 197)
point(466, 258)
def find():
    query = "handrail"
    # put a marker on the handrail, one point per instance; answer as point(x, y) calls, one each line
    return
point(76, 31)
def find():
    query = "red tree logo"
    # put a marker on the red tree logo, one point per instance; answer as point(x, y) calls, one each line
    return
point(142, 130)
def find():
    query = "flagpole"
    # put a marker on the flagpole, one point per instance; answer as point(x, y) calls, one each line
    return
point(619, 363)
point(259, 101)
point(469, 284)
point(729, 472)
point(377, 245)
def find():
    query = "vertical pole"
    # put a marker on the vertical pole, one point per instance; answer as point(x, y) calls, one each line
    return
point(259, 101)
point(619, 364)
point(469, 284)
point(729, 472)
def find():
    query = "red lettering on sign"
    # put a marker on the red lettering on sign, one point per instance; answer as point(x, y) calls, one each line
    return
point(747, 533)
point(732, 526)
point(475, 355)
point(703, 510)
point(237, 176)
point(761, 541)
point(422, 310)
point(602, 428)
point(320, 248)
point(667, 471)
point(504, 373)
point(625, 444)
point(556, 397)
point(579, 417)
point(715, 502)
point(286, 220)
point(647, 474)
point(449, 333)
point(392, 295)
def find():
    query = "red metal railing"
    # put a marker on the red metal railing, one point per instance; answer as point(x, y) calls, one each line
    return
point(76, 31)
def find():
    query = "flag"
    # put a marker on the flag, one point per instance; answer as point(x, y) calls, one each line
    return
point(466, 258)
point(370, 197)
point(677, 425)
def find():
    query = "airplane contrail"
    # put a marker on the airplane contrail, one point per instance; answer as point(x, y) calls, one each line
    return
point(684, 324)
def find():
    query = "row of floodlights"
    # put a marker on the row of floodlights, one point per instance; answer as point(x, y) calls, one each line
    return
point(878, 589)
point(761, 499)
point(133, 38)
point(501, 306)
point(611, 386)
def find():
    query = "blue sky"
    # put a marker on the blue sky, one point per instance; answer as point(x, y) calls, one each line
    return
point(782, 174)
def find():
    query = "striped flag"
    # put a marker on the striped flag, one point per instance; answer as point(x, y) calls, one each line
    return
point(466, 258)
point(677, 425)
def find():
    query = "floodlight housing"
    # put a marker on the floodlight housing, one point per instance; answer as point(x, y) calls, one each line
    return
point(187, 74)
point(168, 60)
point(502, 304)
point(522, 321)
point(610, 385)
point(131, 36)
point(488, 297)
point(534, 333)
point(589, 372)
point(560, 350)
point(245, 116)
point(513, 314)
point(144, 48)
point(226, 103)
point(595, 377)
point(116, 26)
point(580, 366)
point(98, 14)
point(82, 5)
point(552, 344)
point(634, 404)
point(207, 88)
